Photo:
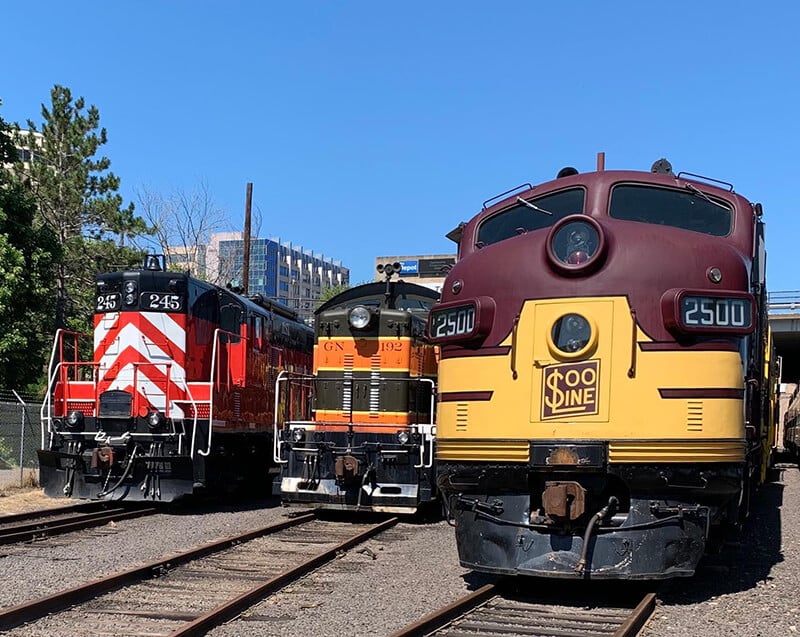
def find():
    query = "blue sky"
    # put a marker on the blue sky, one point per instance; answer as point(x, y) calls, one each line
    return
point(372, 128)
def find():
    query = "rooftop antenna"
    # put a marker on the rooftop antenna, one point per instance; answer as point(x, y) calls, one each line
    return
point(601, 161)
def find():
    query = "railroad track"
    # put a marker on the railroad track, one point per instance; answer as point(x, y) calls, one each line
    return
point(191, 592)
point(24, 527)
point(492, 611)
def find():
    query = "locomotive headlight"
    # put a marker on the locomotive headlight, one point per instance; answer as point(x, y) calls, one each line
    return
point(298, 435)
point(155, 420)
point(576, 244)
point(572, 336)
point(74, 419)
point(403, 436)
point(359, 317)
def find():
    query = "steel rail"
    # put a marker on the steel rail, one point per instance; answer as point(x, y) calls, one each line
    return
point(437, 619)
point(28, 611)
point(43, 513)
point(224, 612)
point(489, 600)
point(638, 617)
point(36, 530)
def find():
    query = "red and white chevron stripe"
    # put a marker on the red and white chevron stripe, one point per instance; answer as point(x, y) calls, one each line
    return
point(145, 353)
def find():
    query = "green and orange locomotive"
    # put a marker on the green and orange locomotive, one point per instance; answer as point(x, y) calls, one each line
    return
point(367, 444)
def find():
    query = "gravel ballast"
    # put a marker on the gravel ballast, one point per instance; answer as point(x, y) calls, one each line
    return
point(748, 589)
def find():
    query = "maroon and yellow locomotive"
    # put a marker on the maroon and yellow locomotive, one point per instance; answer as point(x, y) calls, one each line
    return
point(604, 380)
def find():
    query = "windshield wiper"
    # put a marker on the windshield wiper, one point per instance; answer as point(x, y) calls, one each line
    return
point(533, 206)
point(700, 193)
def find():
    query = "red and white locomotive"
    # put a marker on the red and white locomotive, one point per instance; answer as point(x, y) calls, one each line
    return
point(178, 396)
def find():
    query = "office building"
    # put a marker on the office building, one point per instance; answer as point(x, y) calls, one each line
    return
point(278, 269)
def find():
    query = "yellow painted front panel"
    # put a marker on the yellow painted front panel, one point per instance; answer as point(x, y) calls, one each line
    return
point(571, 396)
point(628, 409)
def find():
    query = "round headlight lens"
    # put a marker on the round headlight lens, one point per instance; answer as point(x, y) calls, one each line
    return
point(154, 420)
point(74, 418)
point(571, 333)
point(359, 317)
point(130, 299)
point(298, 435)
point(576, 244)
point(129, 287)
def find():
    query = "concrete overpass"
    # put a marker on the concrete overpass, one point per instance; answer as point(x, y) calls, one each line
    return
point(784, 319)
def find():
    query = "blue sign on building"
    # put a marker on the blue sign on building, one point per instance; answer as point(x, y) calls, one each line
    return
point(409, 267)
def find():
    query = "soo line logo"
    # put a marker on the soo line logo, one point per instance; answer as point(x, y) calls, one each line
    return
point(570, 389)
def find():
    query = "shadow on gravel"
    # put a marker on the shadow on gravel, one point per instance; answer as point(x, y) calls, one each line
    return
point(220, 504)
point(744, 563)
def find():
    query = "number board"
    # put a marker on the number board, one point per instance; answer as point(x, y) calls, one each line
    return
point(453, 322)
point(107, 302)
point(161, 302)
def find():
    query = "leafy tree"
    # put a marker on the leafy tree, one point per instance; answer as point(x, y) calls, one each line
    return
point(183, 223)
point(328, 293)
point(27, 256)
point(77, 201)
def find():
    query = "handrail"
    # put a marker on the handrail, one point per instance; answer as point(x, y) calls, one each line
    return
point(51, 380)
point(423, 464)
point(783, 300)
point(282, 375)
point(427, 430)
point(46, 408)
point(217, 333)
point(287, 376)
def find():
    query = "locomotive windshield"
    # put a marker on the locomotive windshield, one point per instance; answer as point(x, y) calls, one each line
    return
point(688, 209)
point(524, 217)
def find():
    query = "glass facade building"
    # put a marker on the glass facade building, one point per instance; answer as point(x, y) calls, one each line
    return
point(278, 269)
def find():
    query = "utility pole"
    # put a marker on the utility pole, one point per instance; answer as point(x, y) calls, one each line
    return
point(246, 255)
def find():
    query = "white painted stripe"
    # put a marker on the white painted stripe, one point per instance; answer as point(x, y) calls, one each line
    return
point(130, 337)
point(165, 324)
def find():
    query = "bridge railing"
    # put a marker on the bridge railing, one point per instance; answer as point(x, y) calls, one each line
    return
point(784, 301)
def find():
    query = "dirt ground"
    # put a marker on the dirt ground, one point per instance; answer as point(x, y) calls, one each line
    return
point(23, 499)
point(27, 497)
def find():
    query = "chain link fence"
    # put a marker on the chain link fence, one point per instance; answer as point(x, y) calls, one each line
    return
point(20, 437)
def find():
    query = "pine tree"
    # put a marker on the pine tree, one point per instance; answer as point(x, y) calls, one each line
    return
point(77, 200)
